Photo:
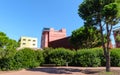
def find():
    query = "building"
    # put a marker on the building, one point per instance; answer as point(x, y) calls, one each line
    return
point(49, 35)
point(55, 38)
point(116, 33)
point(28, 42)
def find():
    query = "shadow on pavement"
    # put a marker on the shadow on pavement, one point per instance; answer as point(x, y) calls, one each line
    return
point(90, 71)
point(67, 70)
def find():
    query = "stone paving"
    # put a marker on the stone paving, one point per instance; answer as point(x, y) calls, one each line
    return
point(58, 71)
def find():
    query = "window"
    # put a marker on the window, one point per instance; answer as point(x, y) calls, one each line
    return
point(24, 39)
point(33, 44)
point(29, 40)
point(34, 40)
point(24, 43)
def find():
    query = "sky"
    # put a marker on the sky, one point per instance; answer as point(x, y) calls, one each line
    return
point(29, 17)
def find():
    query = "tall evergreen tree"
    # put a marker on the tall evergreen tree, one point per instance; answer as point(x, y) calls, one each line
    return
point(86, 37)
point(103, 14)
point(7, 46)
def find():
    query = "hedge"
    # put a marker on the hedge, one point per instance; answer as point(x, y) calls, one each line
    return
point(60, 56)
point(87, 58)
point(115, 57)
point(28, 58)
point(46, 55)
point(24, 58)
point(7, 59)
point(82, 57)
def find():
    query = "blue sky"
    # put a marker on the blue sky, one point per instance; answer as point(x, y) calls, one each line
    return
point(28, 17)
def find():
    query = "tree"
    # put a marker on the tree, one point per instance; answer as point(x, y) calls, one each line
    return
point(7, 51)
point(86, 37)
point(7, 46)
point(103, 14)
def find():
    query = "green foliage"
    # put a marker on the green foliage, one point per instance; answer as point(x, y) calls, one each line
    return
point(110, 12)
point(100, 54)
point(115, 57)
point(7, 63)
point(7, 59)
point(103, 14)
point(90, 9)
point(60, 56)
point(110, 9)
point(11, 59)
point(86, 37)
point(26, 58)
point(87, 58)
point(7, 52)
point(39, 57)
point(46, 55)
point(6, 42)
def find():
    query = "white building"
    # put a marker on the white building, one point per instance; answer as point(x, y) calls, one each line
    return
point(28, 42)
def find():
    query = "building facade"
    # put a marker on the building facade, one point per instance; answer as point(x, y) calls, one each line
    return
point(55, 38)
point(49, 35)
point(28, 42)
point(116, 33)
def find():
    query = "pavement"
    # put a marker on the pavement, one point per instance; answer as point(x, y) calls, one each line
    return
point(57, 71)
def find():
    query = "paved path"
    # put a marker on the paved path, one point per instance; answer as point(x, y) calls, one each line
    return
point(56, 71)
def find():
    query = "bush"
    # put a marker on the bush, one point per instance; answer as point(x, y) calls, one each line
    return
point(60, 56)
point(25, 58)
point(87, 58)
point(28, 58)
point(7, 64)
point(39, 57)
point(115, 57)
point(100, 55)
point(7, 59)
point(46, 54)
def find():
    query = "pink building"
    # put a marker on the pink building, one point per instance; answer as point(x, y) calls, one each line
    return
point(49, 35)
point(116, 32)
point(53, 38)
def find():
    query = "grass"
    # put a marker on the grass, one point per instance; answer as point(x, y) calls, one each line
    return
point(113, 72)
point(100, 72)
point(106, 73)
point(103, 72)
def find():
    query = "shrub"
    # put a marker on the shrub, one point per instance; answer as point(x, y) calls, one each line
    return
point(115, 57)
point(87, 58)
point(60, 56)
point(7, 59)
point(39, 57)
point(46, 54)
point(100, 55)
point(7, 64)
point(26, 58)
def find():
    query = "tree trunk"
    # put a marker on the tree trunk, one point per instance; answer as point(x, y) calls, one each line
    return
point(108, 61)
point(107, 48)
